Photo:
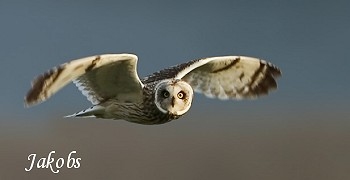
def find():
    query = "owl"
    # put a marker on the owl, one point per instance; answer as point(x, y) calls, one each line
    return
point(111, 83)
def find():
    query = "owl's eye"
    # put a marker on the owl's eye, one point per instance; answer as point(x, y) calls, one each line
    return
point(181, 95)
point(165, 93)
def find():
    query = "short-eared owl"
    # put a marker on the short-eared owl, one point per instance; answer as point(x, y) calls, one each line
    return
point(110, 82)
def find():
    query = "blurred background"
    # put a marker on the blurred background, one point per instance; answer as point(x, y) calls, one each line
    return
point(301, 131)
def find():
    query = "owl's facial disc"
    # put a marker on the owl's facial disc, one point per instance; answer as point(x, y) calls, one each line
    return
point(173, 97)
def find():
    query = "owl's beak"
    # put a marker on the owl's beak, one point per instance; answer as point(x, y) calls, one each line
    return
point(171, 108)
point(173, 101)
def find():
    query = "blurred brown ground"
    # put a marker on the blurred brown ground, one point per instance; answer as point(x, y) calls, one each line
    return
point(194, 147)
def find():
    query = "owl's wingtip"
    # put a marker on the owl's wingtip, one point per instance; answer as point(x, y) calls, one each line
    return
point(27, 103)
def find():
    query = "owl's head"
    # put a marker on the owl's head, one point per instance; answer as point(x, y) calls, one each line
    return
point(173, 96)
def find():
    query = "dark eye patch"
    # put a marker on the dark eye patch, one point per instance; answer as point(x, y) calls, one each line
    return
point(165, 94)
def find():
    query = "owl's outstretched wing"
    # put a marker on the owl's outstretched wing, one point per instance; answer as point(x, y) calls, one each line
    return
point(225, 77)
point(98, 77)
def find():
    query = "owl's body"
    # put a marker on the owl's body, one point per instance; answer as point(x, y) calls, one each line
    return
point(141, 112)
point(111, 84)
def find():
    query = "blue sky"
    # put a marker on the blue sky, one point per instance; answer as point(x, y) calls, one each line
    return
point(308, 41)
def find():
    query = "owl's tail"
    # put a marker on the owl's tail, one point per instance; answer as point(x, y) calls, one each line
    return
point(94, 111)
